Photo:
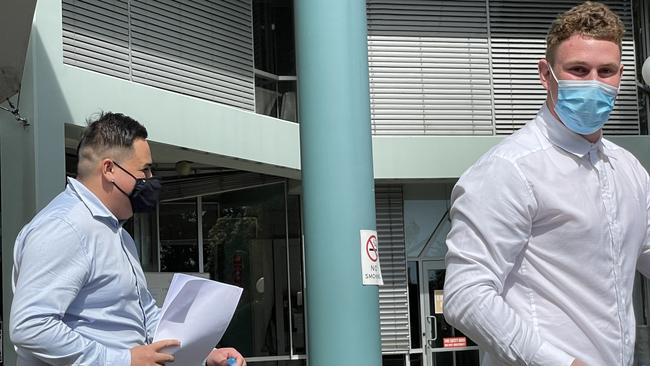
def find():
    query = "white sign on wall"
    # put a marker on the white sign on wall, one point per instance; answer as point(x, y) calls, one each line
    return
point(370, 270)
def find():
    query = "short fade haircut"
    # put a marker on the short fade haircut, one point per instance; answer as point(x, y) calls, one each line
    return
point(109, 136)
point(590, 19)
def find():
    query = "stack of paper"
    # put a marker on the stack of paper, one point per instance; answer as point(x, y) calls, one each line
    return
point(196, 312)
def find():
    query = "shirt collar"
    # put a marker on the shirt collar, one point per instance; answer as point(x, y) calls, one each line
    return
point(92, 202)
point(559, 135)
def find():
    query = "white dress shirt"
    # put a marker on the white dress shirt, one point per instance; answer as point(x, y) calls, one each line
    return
point(547, 229)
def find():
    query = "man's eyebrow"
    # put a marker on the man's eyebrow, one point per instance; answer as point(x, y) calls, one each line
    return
point(612, 65)
point(587, 64)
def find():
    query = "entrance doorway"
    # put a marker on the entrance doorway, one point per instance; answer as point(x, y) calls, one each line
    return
point(434, 342)
point(443, 344)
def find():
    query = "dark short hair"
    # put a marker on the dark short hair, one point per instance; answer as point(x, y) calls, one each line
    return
point(111, 130)
point(589, 19)
point(109, 135)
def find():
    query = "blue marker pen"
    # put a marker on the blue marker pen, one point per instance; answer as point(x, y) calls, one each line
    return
point(232, 361)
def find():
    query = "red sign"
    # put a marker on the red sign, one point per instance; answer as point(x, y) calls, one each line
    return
point(454, 342)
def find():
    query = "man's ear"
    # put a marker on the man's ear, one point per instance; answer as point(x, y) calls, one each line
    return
point(620, 71)
point(543, 68)
point(108, 170)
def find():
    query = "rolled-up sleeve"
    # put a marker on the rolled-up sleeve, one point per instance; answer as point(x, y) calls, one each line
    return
point(51, 265)
point(492, 212)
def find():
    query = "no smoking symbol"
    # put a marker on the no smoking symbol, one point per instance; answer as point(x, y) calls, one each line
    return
point(371, 248)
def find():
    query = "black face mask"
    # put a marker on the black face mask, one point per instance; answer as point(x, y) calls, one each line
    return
point(145, 194)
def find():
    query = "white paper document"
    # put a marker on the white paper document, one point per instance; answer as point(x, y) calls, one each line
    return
point(196, 312)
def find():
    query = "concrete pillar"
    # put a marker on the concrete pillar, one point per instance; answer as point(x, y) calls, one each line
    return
point(337, 178)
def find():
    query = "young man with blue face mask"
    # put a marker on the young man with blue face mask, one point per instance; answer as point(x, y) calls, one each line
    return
point(80, 295)
point(550, 226)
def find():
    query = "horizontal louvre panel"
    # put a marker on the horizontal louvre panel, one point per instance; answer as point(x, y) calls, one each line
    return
point(393, 295)
point(187, 80)
point(518, 40)
point(198, 48)
point(429, 67)
point(96, 36)
point(436, 67)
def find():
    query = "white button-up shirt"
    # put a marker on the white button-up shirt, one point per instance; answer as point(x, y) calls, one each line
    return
point(547, 230)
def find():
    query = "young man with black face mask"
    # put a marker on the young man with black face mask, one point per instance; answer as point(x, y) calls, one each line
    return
point(80, 295)
point(549, 227)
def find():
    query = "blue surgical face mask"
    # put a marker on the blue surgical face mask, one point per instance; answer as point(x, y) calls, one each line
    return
point(584, 105)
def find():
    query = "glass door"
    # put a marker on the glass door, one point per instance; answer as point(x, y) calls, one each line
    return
point(444, 345)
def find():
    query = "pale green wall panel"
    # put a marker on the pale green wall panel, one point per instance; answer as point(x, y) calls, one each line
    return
point(184, 121)
point(403, 158)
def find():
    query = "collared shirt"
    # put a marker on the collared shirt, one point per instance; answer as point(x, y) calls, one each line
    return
point(546, 232)
point(80, 295)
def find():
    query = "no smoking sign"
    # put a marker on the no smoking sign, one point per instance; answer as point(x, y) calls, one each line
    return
point(371, 248)
point(370, 270)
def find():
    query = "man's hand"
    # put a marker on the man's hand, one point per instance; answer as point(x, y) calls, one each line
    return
point(577, 363)
point(220, 356)
point(151, 355)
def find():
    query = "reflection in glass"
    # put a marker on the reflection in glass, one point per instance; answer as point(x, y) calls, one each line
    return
point(245, 244)
point(436, 245)
point(251, 238)
point(179, 236)
point(421, 218)
point(275, 97)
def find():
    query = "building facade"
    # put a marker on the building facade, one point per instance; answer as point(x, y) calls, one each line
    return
point(215, 83)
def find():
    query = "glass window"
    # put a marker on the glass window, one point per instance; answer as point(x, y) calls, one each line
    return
point(276, 98)
point(250, 238)
point(145, 234)
point(275, 59)
point(179, 244)
point(273, 34)
point(414, 304)
point(421, 218)
point(416, 359)
point(393, 360)
point(296, 274)
point(246, 244)
point(436, 246)
point(426, 219)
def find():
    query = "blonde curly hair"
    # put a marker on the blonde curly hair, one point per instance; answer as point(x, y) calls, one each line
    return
point(591, 19)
